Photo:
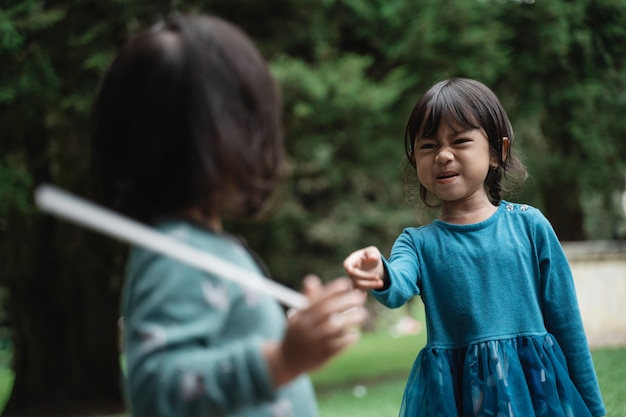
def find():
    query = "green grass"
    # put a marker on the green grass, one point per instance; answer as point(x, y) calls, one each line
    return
point(374, 399)
point(6, 377)
point(610, 367)
point(6, 382)
point(381, 364)
point(383, 397)
point(376, 355)
point(369, 379)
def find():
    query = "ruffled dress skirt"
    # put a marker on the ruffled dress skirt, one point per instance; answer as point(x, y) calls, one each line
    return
point(525, 376)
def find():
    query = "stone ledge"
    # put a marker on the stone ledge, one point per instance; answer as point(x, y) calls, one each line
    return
point(595, 249)
point(599, 269)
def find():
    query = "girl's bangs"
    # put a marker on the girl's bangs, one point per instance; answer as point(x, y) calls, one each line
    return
point(452, 109)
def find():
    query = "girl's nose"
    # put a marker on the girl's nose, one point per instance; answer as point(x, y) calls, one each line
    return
point(444, 156)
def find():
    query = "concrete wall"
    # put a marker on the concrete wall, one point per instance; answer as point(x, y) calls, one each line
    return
point(599, 269)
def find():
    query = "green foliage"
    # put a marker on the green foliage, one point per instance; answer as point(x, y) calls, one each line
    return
point(350, 87)
point(15, 186)
point(344, 156)
point(566, 92)
point(27, 68)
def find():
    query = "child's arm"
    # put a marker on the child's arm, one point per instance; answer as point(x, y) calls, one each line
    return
point(365, 269)
point(176, 357)
point(318, 333)
point(562, 315)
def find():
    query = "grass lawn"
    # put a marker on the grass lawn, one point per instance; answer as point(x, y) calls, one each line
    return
point(6, 377)
point(611, 370)
point(369, 379)
point(375, 356)
point(6, 382)
point(382, 397)
point(379, 399)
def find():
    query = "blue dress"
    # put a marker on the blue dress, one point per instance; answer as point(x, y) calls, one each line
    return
point(505, 335)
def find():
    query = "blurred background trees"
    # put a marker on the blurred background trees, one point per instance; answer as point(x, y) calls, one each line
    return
point(350, 71)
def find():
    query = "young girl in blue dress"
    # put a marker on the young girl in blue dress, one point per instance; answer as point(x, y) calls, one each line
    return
point(505, 336)
point(187, 131)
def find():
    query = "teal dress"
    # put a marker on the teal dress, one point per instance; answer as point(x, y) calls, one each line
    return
point(193, 342)
point(505, 335)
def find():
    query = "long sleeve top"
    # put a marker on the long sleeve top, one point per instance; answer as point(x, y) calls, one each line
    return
point(503, 278)
point(193, 341)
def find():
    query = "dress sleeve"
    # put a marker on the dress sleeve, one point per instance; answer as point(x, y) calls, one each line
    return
point(177, 363)
point(402, 269)
point(562, 315)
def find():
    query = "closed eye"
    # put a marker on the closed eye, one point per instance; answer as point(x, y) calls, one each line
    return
point(427, 146)
point(461, 141)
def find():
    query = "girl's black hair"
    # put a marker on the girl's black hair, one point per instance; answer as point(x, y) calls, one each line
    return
point(188, 114)
point(465, 104)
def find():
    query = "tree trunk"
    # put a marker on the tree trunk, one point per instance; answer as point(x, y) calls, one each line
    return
point(63, 322)
point(563, 209)
point(62, 308)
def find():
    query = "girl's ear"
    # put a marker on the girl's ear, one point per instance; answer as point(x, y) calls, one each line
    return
point(506, 146)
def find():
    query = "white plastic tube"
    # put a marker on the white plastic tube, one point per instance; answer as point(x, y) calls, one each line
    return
point(77, 210)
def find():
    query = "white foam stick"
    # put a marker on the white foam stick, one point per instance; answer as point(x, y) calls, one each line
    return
point(77, 210)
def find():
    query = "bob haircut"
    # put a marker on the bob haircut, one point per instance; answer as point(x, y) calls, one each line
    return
point(465, 104)
point(188, 115)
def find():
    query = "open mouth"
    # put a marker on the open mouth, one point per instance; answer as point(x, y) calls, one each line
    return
point(446, 175)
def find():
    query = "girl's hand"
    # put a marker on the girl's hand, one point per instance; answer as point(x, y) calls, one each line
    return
point(365, 268)
point(321, 331)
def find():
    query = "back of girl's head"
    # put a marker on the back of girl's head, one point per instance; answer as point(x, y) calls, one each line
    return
point(188, 115)
point(465, 104)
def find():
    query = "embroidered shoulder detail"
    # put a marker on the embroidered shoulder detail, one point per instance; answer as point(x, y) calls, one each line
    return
point(513, 206)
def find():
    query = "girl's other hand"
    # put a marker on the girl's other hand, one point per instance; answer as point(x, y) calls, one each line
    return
point(316, 334)
point(365, 268)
